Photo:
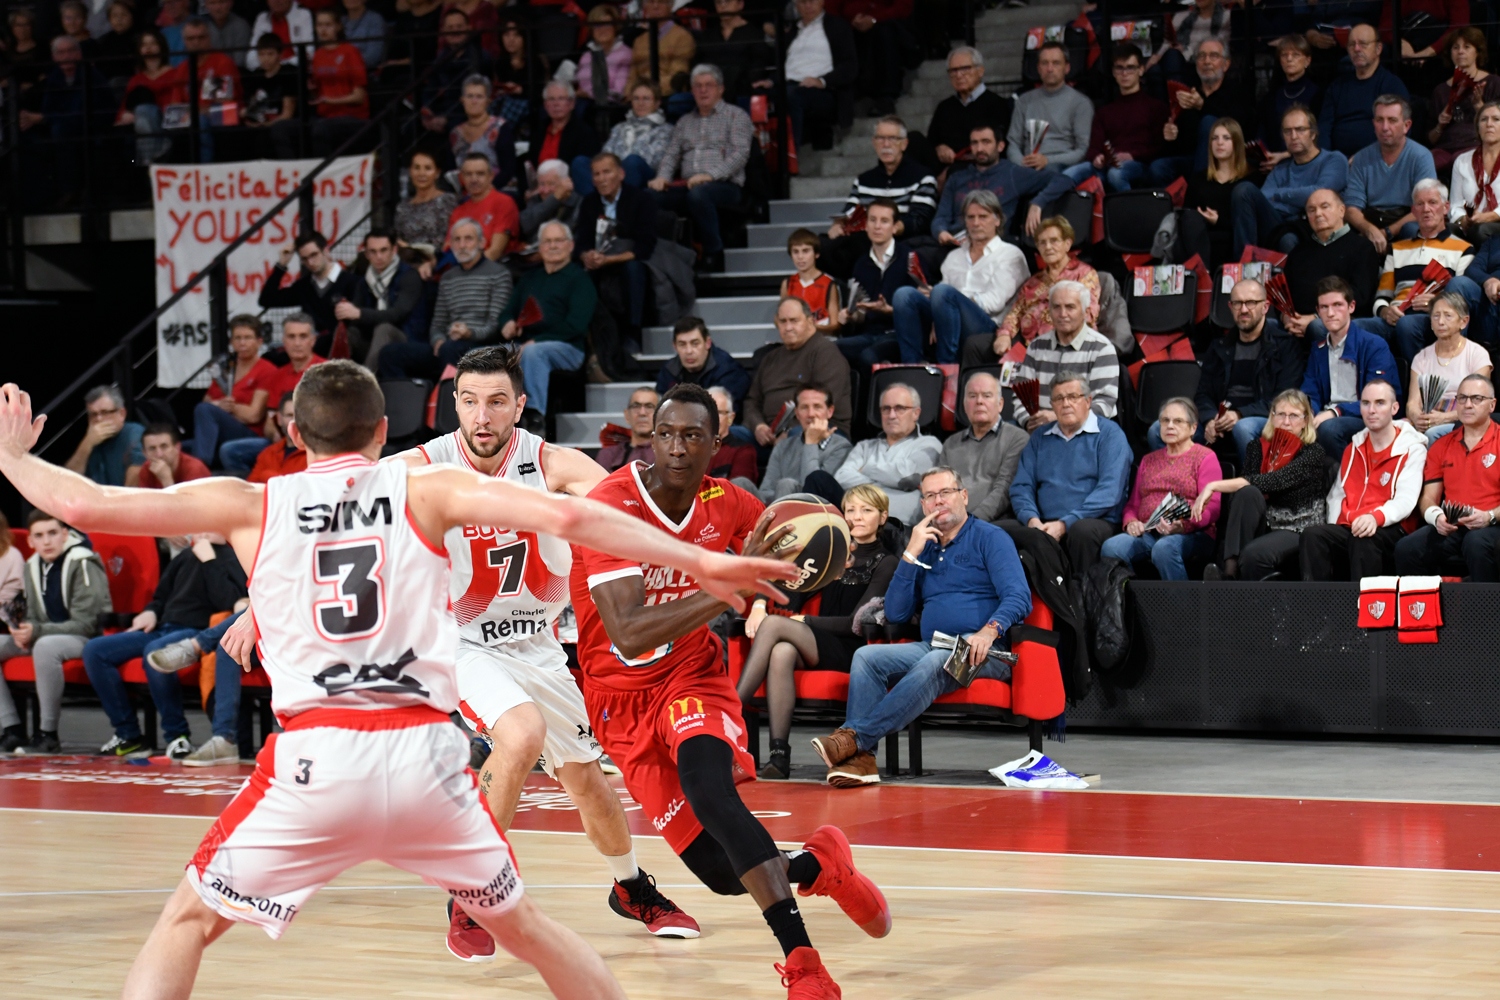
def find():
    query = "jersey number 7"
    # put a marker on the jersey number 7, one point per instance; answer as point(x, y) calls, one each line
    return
point(356, 608)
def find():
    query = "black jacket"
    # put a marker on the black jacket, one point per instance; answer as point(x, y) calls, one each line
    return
point(1279, 367)
point(876, 284)
point(401, 298)
point(578, 139)
point(952, 121)
point(635, 220)
point(191, 591)
point(721, 370)
point(845, 73)
point(304, 295)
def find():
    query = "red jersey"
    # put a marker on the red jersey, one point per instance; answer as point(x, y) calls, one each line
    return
point(722, 517)
point(496, 212)
point(336, 71)
point(1469, 476)
point(287, 379)
point(815, 294)
point(262, 375)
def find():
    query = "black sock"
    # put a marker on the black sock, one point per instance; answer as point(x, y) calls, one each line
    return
point(786, 924)
point(803, 868)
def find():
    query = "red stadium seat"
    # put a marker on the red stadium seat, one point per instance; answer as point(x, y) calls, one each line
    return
point(133, 567)
point(21, 670)
point(21, 539)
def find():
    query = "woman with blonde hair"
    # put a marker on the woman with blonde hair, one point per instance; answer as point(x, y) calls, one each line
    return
point(781, 645)
point(1279, 496)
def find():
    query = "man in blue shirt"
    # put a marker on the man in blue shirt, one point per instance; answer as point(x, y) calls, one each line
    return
point(1258, 211)
point(1070, 485)
point(1346, 102)
point(1008, 181)
point(1383, 174)
point(110, 453)
point(970, 582)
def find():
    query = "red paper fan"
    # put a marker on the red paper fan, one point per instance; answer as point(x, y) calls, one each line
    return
point(1434, 279)
point(1029, 392)
point(1174, 108)
point(1278, 293)
point(1463, 89)
point(530, 315)
point(1280, 450)
point(914, 268)
point(1223, 409)
point(340, 346)
point(854, 222)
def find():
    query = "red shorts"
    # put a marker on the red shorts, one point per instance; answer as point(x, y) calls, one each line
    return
point(641, 731)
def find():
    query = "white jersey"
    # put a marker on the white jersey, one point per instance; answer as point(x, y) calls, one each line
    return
point(350, 599)
point(505, 585)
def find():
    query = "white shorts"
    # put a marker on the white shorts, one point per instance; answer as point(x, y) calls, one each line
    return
point(492, 680)
point(347, 786)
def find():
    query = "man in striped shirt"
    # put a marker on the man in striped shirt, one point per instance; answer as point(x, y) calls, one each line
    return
point(1401, 318)
point(1074, 346)
point(901, 178)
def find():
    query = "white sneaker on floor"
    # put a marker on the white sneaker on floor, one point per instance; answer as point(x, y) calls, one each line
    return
point(179, 749)
point(216, 751)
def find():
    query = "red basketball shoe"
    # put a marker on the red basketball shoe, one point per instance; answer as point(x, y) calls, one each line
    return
point(661, 916)
point(467, 941)
point(806, 977)
point(859, 898)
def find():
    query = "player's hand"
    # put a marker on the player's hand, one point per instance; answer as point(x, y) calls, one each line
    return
point(731, 578)
point(758, 614)
point(980, 643)
point(240, 638)
point(143, 622)
point(18, 431)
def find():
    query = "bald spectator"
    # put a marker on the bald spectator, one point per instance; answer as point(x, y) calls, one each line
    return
point(166, 463)
point(805, 357)
point(1335, 247)
point(986, 453)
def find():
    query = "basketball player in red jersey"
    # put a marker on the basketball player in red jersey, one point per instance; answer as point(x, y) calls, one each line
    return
point(663, 707)
point(513, 679)
point(368, 765)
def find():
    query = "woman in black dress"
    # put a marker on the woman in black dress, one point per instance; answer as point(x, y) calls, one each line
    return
point(827, 640)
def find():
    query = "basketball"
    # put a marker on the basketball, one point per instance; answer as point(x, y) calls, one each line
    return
point(818, 542)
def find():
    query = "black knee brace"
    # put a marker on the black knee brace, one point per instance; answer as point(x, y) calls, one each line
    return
point(706, 859)
point(705, 766)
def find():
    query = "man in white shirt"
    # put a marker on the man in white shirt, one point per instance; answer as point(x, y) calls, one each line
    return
point(293, 24)
point(821, 67)
point(979, 280)
point(896, 460)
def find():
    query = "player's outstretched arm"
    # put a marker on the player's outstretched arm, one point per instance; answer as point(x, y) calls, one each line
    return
point(223, 506)
point(446, 497)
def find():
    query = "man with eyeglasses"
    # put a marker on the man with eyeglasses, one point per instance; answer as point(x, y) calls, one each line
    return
point(970, 582)
point(1127, 132)
point(1243, 371)
point(1379, 482)
point(970, 106)
point(110, 453)
point(1347, 102)
point(1334, 247)
point(892, 460)
point(1343, 360)
point(902, 179)
point(321, 284)
point(1198, 109)
point(1071, 482)
point(1259, 213)
point(640, 417)
point(1461, 469)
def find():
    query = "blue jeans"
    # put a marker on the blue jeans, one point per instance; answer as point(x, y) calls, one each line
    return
point(1254, 217)
point(701, 204)
point(1168, 553)
point(539, 358)
point(1335, 434)
point(1414, 331)
point(226, 715)
point(1245, 430)
point(103, 657)
point(212, 425)
point(637, 173)
point(238, 457)
point(876, 709)
point(1120, 178)
point(864, 350)
point(953, 316)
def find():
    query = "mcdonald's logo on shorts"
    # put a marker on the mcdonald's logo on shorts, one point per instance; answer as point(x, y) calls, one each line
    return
point(682, 709)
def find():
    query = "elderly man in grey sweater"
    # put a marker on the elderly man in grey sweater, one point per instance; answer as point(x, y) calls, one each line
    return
point(985, 453)
point(1068, 115)
point(470, 299)
point(894, 461)
point(814, 445)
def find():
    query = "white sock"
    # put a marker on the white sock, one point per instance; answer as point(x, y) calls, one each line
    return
point(623, 866)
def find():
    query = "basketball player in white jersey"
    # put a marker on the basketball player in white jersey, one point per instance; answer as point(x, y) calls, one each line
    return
point(507, 590)
point(356, 634)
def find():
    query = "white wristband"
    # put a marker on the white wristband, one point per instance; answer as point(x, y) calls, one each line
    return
point(1431, 514)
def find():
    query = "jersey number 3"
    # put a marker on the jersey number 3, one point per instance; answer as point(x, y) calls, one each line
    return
point(356, 608)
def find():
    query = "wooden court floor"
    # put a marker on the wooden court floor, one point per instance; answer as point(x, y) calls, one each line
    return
point(79, 892)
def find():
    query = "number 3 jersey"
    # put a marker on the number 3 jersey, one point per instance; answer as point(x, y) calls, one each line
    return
point(506, 585)
point(721, 518)
point(351, 601)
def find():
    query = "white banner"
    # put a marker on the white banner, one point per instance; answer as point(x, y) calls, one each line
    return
point(200, 210)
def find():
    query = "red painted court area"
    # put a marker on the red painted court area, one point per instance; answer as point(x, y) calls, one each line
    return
point(1299, 831)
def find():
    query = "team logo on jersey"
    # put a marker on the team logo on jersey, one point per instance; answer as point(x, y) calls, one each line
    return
point(526, 469)
point(1487, 460)
point(708, 534)
point(382, 678)
point(686, 713)
point(1385, 479)
point(660, 822)
point(712, 493)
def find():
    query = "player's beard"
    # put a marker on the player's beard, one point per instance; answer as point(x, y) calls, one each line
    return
point(501, 440)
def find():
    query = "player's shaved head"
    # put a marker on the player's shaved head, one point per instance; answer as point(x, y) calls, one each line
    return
point(338, 406)
point(686, 435)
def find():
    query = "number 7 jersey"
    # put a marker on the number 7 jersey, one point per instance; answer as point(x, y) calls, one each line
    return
point(350, 600)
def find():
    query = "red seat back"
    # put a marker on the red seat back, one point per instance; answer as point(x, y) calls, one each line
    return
point(1036, 682)
point(21, 539)
point(133, 569)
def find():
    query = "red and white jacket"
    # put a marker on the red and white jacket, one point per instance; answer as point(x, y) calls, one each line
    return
point(1387, 489)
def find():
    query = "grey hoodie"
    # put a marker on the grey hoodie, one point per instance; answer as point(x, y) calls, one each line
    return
point(85, 591)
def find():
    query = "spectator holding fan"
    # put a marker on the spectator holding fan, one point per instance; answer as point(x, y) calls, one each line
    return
point(1438, 367)
point(1457, 101)
point(549, 316)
